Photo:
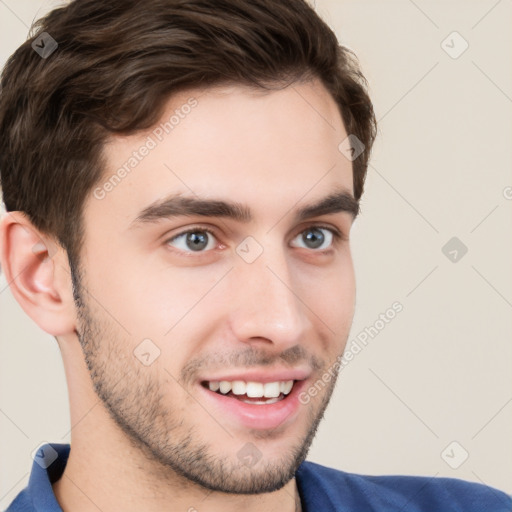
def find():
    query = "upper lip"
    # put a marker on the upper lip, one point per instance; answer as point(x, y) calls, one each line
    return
point(261, 375)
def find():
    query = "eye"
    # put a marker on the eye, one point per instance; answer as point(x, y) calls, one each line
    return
point(318, 237)
point(193, 240)
point(200, 239)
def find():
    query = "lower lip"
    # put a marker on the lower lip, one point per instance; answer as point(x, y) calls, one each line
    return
point(261, 417)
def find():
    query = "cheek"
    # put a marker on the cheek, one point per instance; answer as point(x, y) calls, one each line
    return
point(334, 303)
point(330, 293)
point(146, 294)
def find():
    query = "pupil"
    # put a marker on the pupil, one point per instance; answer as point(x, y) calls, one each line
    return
point(197, 242)
point(315, 236)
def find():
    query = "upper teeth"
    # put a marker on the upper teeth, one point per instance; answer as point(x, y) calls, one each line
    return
point(252, 389)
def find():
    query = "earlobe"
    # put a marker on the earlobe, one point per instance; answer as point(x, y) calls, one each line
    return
point(37, 271)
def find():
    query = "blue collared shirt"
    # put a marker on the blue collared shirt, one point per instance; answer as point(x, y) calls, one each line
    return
point(321, 489)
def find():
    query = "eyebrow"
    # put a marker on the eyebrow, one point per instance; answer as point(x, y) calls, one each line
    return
point(178, 205)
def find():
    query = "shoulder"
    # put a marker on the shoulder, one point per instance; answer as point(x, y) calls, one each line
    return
point(22, 503)
point(396, 492)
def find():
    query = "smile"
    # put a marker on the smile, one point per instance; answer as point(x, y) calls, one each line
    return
point(251, 392)
point(255, 399)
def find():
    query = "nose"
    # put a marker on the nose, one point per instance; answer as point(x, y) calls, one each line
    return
point(267, 307)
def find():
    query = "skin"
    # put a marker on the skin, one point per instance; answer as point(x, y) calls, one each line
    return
point(137, 430)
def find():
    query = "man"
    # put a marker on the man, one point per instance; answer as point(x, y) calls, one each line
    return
point(181, 178)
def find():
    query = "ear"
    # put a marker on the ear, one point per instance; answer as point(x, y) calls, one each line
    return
point(37, 271)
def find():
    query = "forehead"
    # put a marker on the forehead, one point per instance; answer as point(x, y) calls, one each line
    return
point(266, 149)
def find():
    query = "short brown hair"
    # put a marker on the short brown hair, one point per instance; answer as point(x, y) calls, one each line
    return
point(116, 64)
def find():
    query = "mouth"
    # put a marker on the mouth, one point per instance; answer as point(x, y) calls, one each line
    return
point(251, 392)
point(255, 400)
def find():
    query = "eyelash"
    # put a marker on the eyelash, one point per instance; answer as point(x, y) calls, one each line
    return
point(337, 237)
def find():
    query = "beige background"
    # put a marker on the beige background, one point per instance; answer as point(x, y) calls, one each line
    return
point(440, 371)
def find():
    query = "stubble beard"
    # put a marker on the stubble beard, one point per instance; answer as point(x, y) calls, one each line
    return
point(135, 402)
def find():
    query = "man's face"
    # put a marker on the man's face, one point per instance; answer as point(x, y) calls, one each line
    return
point(167, 318)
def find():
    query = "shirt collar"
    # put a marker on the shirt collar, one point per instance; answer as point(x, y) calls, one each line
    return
point(48, 466)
